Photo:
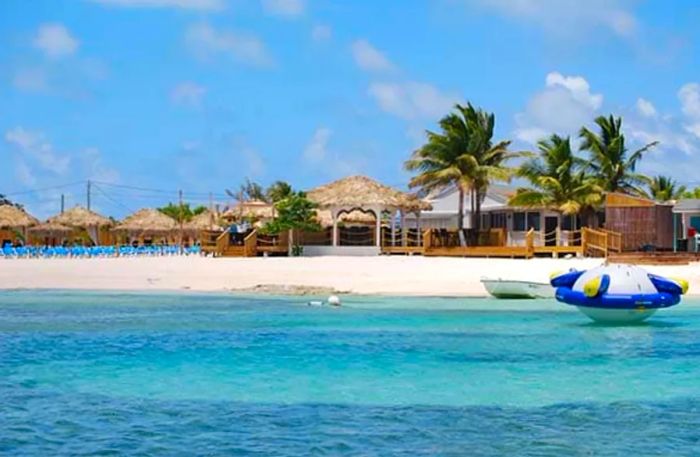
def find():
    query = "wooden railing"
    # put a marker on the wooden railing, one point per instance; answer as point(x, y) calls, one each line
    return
point(614, 241)
point(600, 242)
point(530, 241)
point(250, 244)
point(222, 243)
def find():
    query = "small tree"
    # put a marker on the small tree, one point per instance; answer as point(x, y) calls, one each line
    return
point(296, 212)
point(183, 212)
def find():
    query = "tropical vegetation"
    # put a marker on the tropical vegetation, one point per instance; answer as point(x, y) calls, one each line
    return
point(462, 154)
point(558, 180)
point(182, 212)
point(664, 188)
point(294, 212)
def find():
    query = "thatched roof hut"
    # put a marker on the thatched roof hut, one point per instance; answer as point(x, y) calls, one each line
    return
point(149, 221)
point(325, 218)
point(206, 220)
point(12, 217)
point(80, 217)
point(253, 209)
point(363, 192)
point(50, 229)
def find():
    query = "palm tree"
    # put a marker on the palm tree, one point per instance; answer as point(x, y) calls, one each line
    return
point(665, 188)
point(279, 190)
point(558, 180)
point(609, 159)
point(463, 155)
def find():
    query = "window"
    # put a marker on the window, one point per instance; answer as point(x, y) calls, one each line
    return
point(570, 222)
point(533, 221)
point(519, 222)
point(498, 220)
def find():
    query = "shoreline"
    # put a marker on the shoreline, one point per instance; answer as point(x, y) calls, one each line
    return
point(392, 276)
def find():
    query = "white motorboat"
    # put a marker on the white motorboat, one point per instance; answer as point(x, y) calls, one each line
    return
point(505, 288)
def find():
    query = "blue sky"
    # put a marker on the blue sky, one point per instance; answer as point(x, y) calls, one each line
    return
point(200, 94)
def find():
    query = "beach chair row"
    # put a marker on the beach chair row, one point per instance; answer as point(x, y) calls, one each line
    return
point(95, 251)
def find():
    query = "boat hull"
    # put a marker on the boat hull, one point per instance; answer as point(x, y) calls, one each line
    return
point(617, 316)
point(517, 289)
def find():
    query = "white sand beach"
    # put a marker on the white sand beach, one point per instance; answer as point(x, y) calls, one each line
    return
point(407, 276)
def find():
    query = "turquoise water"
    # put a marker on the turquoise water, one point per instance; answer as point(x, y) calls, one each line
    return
point(195, 374)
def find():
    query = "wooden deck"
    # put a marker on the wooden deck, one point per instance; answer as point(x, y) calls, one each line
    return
point(655, 258)
point(219, 244)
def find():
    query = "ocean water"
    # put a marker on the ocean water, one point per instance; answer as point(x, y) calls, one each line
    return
point(86, 373)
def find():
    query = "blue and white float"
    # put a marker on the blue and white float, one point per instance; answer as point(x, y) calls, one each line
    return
point(617, 293)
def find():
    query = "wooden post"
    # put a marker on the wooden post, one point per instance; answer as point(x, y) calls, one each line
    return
point(404, 229)
point(334, 216)
point(378, 234)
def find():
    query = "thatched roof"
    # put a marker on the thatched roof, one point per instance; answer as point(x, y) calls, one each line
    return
point(148, 220)
point(80, 217)
point(204, 221)
point(252, 209)
point(325, 217)
point(13, 217)
point(50, 228)
point(362, 192)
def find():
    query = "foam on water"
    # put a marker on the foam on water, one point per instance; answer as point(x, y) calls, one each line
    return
point(164, 374)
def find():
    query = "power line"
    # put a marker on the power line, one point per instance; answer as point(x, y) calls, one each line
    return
point(42, 189)
point(116, 202)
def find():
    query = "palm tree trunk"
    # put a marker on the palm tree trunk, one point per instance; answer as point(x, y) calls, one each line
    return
point(460, 210)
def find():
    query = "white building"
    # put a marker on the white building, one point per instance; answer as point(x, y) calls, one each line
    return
point(550, 226)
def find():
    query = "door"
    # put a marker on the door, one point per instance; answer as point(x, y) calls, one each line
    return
point(551, 223)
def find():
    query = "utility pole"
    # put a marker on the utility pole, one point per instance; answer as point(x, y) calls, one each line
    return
point(211, 211)
point(89, 185)
point(63, 203)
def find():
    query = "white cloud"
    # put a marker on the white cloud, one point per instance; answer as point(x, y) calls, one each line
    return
point(33, 145)
point(332, 164)
point(368, 58)
point(95, 168)
point(255, 162)
point(201, 5)
point(563, 106)
point(689, 95)
point(317, 149)
point(412, 100)
point(30, 80)
point(645, 108)
point(321, 32)
point(206, 41)
point(24, 174)
point(567, 17)
point(285, 8)
point(188, 94)
point(55, 41)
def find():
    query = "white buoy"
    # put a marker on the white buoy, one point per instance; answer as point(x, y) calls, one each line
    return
point(334, 300)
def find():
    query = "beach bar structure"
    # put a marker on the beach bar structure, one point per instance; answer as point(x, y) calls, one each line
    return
point(146, 227)
point(14, 223)
point(84, 227)
point(359, 194)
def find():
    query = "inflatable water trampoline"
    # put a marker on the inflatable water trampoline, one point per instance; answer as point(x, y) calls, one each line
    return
point(617, 293)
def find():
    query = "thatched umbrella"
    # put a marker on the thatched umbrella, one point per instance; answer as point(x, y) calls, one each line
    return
point(81, 217)
point(206, 220)
point(12, 217)
point(148, 221)
point(50, 229)
point(253, 209)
